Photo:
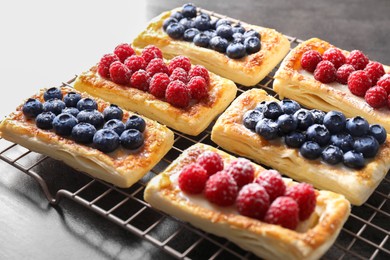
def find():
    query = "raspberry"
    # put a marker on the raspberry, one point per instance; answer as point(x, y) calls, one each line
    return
point(304, 195)
point(376, 97)
point(310, 59)
point(123, 51)
point(104, 64)
point(335, 56)
point(359, 83)
point(179, 74)
point(343, 73)
point(283, 211)
point(177, 94)
point(156, 65)
point(357, 59)
point(253, 201)
point(179, 62)
point(199, 70)
point(198, 88)
point(120, 73)
point(211, 161)
point(374, 70)
point(192, 178)
point(272, 182)
point(221, 189)
point(242, 171)
point(150, 52)
point(384, 82)
point(140, 79)
point(158, 85)
point(135, 63)
point(325, 72)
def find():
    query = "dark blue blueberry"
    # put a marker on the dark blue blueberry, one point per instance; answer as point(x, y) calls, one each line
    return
point(136, 122)
point(86, 103)
point(202, 22)
point(225, 31)
point(342, 140)
point(295, 139)
point(112, 112)
point(357, 126)
point(332, 155)
point(267, 128)
point(378, 132)
point(54, 105)
point(222, 22)
point(289, 106)
point(202, 39)
point(252, 45)
point(91, 116)
point(318, 133)
point(287, 123)
point(238, 29)
point(211, 33)
point(71, 110)
point(318, 116)
point(175, 30)
point(44, 120)
point(213, 23)
point(252, 33)
point(106, 140)
point(32, 108)
point(52, 93)
point(310, 150)
point(132, 139)
point(260, 106)
point(305, 118)
point(71, 99)
point(187, 23)
point(83, 133)
point(238, 37)
point(116, 125)
point(367, 145)
point(353, 159)
point(64, 123)
point(168, 21)
point(189, 34)
point(177, 15)
point(272, 110)
point(335, 121)
point(251, 118)
point(236, 50)
point(188, 10)
point(219, 44)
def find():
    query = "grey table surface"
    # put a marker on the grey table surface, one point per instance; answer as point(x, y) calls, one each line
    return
point(76, 34)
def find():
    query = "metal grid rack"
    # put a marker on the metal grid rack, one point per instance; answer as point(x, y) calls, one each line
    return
point(364, 236)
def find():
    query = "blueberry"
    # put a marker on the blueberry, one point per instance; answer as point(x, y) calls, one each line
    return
point(131, 139)
point(168, 21)
point(112, 112)
point(357, 126)
point(91, 116)
point(177, 15)
point(71, 110)
point(238, 29)
point(189, 10)
point(252, 33)
point(287, 123)
point(175, 30)
point(136, 122)
point(225, 31)
point(52, 93)
point(251, 117)
point(332, 155)
point(116, 125)
point(211, 33)
point(335, 121)
point(295, 139)
point(106, 140)
point(187, 23)
point(219, 44)
point(71, 99)
point(272, 110)
point(54, 105)
point(213, 23)
point(236, 50)
point(222, 22)
point(86, 103)
point(238, 37)
point(305, 118)
point(310, 150)
point(202, 22)
point(289, 106)
point(367, 145)
point(318, 133)
point(201, 39)
point(342, 140)
point(252, 45)
point(83, 133)
point(64, 123)
point(378, 132)
point(190, 33)
point(260, 106)
point(267, 128)
point(32, 108)
point(318, 116)
point(45, 120)
point(353, 159)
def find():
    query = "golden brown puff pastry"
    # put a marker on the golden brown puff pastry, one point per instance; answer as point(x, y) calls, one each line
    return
point(191, 120)
point(310, 240)
point(121, 167)
point(356, 185)
point(247, 71)
point(291, 81)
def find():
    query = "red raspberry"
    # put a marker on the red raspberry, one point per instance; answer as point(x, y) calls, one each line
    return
point(325, 72)
point(374, 70)
point(376, 97)
point(179, 74)
point(120, 73)
point(359, 83)
point(140, 79)
point(253, 201)
point(177, 94)
point(283, 211)
point(199, 70)
point(211, 161)
point(104, 64)
point(242, 171)
point(123, 51)
point(198, 88)
point(192, 178)
point(221, 189)
point(304, 195)
point(384, 82)
point(272, 182)
point(179, 62)
point(310, 59)
point(135, 63)
point(150, 52)
point(156, 65)
point(158, 85)
point(335, 56)
point(357, 59)
point(343, 73)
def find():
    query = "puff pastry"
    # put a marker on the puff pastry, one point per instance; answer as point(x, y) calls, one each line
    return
point(311, 239)
point(293, 82)
point(355, 185)
point(247, 71)
point(121, 167)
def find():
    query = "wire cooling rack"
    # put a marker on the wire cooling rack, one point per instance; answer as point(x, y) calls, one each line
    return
point(365, 235)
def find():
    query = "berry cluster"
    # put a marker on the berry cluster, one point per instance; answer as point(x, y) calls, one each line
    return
point(265, 198)
point(78, 118)
point(217, 34)
point(315, 133)
point(176, 83)
point(365, 78)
